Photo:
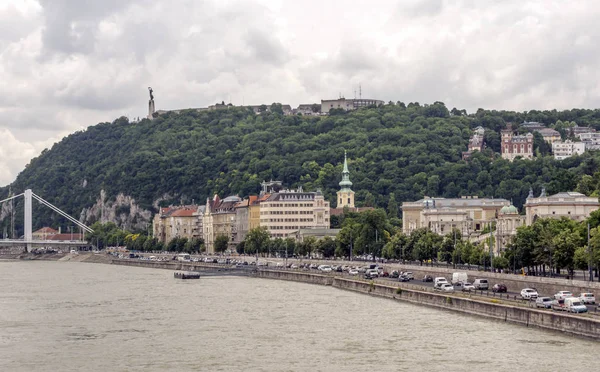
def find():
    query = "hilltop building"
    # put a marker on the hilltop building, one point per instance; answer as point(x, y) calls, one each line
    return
point(573, 205)
point(347, 104)
point(513, 146)
point(549, 135)
point(591, 140)
point(468, 214)
point(563, 150)
point(476, 143)
point(532, 126)
point(577, 130)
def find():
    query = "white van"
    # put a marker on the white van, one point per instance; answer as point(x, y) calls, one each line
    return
point(481, 284)
point(574, 305)
point(459, 278)
point(183, 257)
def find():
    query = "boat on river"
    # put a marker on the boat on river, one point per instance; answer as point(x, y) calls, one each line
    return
point(186, 275)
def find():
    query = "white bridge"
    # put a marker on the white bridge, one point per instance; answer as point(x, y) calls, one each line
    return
point(28, 240)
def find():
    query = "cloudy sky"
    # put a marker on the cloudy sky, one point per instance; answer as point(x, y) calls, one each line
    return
point(68, 64)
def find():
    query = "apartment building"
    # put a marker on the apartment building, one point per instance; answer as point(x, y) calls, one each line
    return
point(562, 150)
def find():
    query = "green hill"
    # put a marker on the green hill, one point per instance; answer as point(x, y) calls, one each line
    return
point(409, 151)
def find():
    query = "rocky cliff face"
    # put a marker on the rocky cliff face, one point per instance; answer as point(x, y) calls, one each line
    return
point(123, 211)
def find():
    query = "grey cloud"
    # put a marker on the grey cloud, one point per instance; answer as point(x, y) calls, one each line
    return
point(70, 25)
point(265, 47)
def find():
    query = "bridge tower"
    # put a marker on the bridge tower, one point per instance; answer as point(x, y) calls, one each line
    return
point(28, 237)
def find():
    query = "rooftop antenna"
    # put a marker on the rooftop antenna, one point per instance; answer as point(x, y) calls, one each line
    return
point(359, 91)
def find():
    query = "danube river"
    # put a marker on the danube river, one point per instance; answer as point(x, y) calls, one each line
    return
point(67, 316)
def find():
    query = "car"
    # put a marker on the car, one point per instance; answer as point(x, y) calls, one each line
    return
point(403, 278)
point(558, 305)
point(561, 295)
point(374, 273)
point(481, 284)
point(467, 287)
point(587, 298)
point(446, 287)
point(499, 288)
point(529, 294)
point(439, 280)
point(409, 275)
point(292, 266)
point(353, 272)
point(544, 302)
point(427, 278)
point(394, 274)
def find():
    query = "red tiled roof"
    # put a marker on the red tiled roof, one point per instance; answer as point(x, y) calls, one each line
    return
point(68, 236)
point(183, 213)
point(46, 230)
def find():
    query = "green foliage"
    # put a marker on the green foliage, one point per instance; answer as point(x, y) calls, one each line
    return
point(221, 242)
point(256, 240)
point(408, 150)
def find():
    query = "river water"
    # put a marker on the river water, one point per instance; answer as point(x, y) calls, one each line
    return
point(68, 316)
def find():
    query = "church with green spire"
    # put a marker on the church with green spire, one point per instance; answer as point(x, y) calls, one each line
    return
point(345, 197)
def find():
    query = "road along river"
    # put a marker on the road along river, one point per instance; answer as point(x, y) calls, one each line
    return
point(70, 316)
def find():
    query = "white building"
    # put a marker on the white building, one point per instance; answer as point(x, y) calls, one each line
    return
point(573, 205)
point(563, 150)
point(591, 140)
point(288, 211)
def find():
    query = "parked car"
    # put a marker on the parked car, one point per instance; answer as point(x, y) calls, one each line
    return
point(428, 278)
point(558, 305)
point(499, 288)
point(403, 278)
point(481, 284)
point(374, 273)
point(545, 302)
point(409, 275)
point(529, 294)
point(561, 295)
point(439, 281)
point(574, 305)
point(467, 287)
point(587, 298)
point(446, 287)
point(353, 272)
point(395, 274)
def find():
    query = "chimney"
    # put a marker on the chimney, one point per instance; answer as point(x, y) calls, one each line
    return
point(59, 228)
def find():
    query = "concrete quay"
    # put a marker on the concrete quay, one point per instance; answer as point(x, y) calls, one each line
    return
point(573, 325)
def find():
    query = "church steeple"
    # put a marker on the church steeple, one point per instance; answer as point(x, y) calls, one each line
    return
point(345, 183)
point(345, 197)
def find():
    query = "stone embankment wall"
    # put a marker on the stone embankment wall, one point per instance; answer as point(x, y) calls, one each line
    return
point(514, 283)
point(576, 325)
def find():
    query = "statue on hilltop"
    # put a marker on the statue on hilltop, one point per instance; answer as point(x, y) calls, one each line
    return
point(151, 108)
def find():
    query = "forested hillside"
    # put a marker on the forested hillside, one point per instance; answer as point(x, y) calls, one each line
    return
point(410, 151)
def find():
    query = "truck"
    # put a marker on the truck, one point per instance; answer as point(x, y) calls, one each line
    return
point(460, 277)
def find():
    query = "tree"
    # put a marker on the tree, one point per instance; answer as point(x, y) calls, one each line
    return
point(392, 206)
point(256, 240)
point(326, 247)
point(240, 247)
point(221, 243)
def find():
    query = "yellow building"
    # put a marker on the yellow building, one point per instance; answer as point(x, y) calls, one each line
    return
point(219, 219)
point(175, 222)
point(573, 205)
point(470, 214)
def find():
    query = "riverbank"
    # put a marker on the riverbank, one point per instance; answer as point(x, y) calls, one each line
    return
point(585, 326)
